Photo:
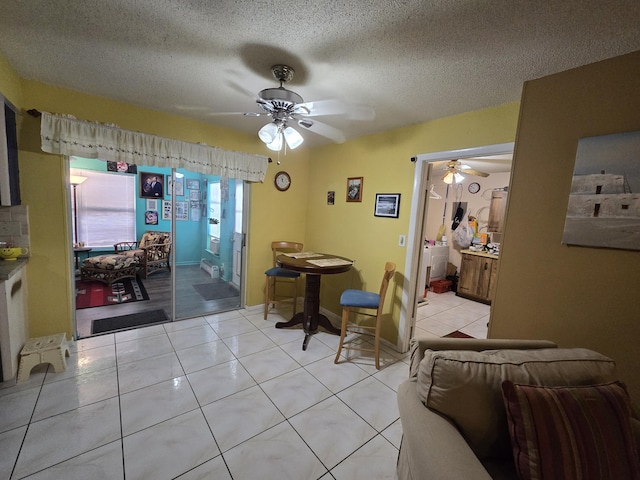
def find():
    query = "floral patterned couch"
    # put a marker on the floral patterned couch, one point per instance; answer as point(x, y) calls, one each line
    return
point(153, 252)
point(108, 268)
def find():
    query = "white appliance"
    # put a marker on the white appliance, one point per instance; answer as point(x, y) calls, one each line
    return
point(433, 267)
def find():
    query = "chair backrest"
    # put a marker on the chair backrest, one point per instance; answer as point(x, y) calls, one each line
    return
point(389, 271)
point(284, 247)
point(152, 237)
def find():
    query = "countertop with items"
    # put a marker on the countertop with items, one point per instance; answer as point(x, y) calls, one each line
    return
point(480, 253)
point(8, 268)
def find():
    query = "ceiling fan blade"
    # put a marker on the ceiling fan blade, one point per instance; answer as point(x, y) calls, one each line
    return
point(335, 107)
point(471, 171)
point(323, 129)
point(246, 114)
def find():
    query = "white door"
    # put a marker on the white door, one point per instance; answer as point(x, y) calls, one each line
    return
point(238, 237)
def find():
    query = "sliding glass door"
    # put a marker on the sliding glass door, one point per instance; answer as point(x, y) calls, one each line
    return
point(185, 229)
point(209, 221)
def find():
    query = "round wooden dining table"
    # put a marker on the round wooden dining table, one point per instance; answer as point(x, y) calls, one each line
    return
point(313, 265)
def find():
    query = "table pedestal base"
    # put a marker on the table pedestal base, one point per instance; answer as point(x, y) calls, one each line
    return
point(311, 318)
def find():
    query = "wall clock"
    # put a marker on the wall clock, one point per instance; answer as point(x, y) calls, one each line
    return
point(282, 181)
point(474, 187)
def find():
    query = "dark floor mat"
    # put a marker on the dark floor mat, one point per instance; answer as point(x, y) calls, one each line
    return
point(125, 322)
point(216, 291)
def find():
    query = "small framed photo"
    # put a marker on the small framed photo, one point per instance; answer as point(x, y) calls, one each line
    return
point(152, 204)
point(354, 189)
point(151, 217)
point(331, 198)
point(121, 167)
point(182, 210)
point(193, 184)
point(179, 186)
point(387, 205)
point(151, 185)
point(166, 210)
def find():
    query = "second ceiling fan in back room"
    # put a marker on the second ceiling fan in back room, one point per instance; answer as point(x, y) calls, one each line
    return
point(455, 172)
point(286, 107)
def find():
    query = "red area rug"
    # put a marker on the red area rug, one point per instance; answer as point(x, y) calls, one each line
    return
point(98, 294)
point(458, 334)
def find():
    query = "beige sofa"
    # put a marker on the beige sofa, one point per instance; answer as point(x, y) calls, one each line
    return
point(463, 434)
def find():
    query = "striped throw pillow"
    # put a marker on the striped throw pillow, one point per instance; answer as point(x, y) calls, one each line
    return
point(580, 433)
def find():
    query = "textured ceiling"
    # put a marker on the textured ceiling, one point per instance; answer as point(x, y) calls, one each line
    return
point(412, 61)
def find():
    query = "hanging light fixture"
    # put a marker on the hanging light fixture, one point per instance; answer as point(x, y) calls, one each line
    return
point(452, 177)
point(292, 137)
point(275, 134)
point(268, 133)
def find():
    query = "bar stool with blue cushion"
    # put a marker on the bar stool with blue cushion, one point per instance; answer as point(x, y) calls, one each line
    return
point(277, 275)
point(361, 300)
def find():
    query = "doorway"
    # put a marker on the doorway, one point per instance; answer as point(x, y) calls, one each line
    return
point(426, 173)
point(204, 219)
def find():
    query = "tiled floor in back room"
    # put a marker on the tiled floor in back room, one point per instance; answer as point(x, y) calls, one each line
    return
point(219, 397)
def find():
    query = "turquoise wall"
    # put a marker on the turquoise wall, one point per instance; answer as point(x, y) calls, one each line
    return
point(192, 236)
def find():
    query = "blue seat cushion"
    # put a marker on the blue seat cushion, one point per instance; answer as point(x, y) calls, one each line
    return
point(281, 272)
point(359, 298)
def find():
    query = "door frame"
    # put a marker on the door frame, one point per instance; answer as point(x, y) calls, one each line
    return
point(417, 225)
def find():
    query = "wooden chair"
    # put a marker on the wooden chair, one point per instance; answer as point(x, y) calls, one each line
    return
point(361, 300)
point(277, 275)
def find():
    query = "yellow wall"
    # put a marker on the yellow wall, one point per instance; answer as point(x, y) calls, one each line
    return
point(300, 214)
point(274, 215)
point(575, 296)
point(350, 229)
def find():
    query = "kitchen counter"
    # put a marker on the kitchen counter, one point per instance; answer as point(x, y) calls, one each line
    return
point(8, 268)
point(479, 254)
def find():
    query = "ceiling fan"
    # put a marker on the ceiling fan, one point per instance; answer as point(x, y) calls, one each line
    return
point(455, 172)
point(286, 106)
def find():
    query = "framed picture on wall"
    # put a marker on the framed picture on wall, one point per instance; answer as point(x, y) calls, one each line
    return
point(151, 217)
point(193, 184)
point(387, 205)
point(182, 210)
point(152, 204)
point(151, 185)
point(179, 186)
point(354, 189)
point(331, 198)
point(166, 210)
point(122, 167)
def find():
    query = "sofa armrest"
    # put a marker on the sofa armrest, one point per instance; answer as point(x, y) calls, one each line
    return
point(432, 447)
point(420, 344)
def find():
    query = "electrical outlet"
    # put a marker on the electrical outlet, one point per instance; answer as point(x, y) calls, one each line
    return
point(402, 241)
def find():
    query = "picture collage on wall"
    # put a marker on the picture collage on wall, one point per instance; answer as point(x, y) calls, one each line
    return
point(152, 187)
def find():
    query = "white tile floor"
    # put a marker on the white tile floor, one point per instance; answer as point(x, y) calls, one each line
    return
point(224, 396)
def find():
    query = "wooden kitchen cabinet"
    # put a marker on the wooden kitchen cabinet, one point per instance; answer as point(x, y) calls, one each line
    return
point(477, 276)
point(496, 211)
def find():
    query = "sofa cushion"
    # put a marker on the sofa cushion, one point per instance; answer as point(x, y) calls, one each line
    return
point(571, 432)
point(465, 386)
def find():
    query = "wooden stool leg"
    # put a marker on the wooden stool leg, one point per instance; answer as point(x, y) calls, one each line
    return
point(343, 331)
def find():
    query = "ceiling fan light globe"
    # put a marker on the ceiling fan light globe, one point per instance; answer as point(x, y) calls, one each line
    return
point(448, 178)
point(292, 137)
point(268, 133)
point(276, 144)
point(458, 178)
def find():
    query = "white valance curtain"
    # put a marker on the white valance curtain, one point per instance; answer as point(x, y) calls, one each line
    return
point(65, 135)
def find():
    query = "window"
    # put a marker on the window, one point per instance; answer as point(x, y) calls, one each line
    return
point(106, 208)
point(214, 209)
point(238, 207)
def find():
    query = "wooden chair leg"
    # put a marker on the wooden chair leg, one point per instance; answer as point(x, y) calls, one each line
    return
point(343, 331)
point(266, 298)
